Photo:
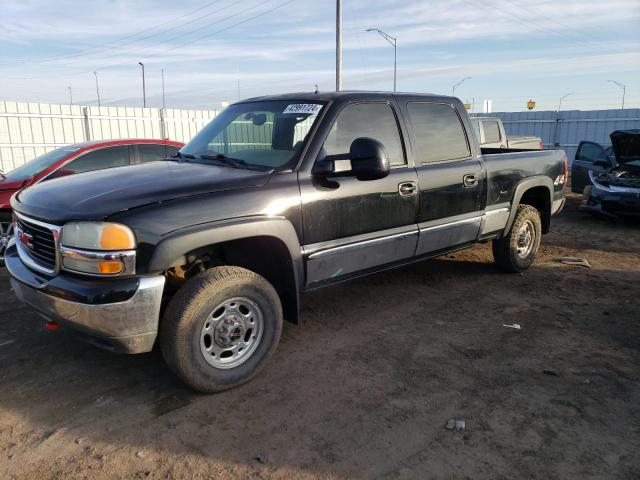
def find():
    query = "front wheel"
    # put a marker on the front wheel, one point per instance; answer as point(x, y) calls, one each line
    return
point(220, 328)
point(6, 232)
point(516, 251)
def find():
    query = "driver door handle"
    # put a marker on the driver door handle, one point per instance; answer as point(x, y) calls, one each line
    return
point(470, 180)
point(407, 188)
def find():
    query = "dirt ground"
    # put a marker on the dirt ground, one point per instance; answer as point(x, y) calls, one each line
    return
point(364, 388)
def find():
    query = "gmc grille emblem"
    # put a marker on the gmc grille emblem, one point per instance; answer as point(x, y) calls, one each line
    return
point(25, 239)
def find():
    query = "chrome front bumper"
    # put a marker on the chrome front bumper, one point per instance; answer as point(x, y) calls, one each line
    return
point(129, 326)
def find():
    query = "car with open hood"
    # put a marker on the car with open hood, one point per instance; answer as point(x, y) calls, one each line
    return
point(609, 177)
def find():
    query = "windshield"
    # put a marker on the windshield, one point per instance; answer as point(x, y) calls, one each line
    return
point(265, 135)
point(40, 163)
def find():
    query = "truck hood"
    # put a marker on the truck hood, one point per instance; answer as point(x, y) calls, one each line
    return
point(12, 185)
point(626, 145)
point(97, 195)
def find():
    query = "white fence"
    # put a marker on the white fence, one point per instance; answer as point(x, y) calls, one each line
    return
point(31, 129)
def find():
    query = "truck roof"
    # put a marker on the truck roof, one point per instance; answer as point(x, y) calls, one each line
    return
point(346, 95)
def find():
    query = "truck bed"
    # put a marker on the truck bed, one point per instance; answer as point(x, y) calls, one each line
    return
point(506, 168)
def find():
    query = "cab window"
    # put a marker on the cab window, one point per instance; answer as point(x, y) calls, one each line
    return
point(491, 132)
point(476, 129)
point(372, 120)
point(438, 132)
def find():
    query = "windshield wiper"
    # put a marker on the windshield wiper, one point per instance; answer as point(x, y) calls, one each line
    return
point(221, 157)
point(2, 174)
point(181, 155)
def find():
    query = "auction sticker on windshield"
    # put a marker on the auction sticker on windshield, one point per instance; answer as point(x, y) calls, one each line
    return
point(308, 108)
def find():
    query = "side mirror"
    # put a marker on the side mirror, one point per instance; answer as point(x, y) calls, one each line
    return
point(369, 160)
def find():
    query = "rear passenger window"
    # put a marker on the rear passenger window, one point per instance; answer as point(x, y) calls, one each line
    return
point(150, 152)
point(373, 120)
point(108, 157)
point(491, 132)
point(438, 132)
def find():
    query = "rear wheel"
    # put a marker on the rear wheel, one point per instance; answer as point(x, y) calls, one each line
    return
point(517, 250)
point(6, 232)
point(220, 328)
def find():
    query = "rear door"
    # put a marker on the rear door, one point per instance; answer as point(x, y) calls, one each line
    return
point(450, 178)
point(350, 225)
point(586, 155)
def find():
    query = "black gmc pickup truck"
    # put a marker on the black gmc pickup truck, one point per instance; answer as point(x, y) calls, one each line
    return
point(207, 252)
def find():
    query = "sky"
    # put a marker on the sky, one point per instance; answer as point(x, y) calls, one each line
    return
point(225, 50)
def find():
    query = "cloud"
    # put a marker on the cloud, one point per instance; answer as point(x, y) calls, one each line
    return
point(293, 47)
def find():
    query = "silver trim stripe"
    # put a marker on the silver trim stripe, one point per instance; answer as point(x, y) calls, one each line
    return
point(360, 244)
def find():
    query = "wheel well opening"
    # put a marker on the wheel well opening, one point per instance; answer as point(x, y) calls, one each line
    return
point(264, 255)
point(539, 198)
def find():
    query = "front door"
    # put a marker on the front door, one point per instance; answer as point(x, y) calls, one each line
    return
point(450, 178)
point(350, 225)
point(586, 154)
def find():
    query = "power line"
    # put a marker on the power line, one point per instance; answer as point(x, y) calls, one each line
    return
point(529, 10)
point(175, 46)
point(514, 17)
point(116, 41)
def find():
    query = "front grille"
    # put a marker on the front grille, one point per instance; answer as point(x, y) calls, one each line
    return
point(38, 242)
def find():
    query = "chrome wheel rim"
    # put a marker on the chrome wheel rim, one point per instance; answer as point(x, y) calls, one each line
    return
point(231, 333)
point(6, 232)
point(526, 239)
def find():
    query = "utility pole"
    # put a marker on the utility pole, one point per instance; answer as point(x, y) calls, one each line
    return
point(453, 88)
point(70, 96)
point(394, 43)
point(162, 72)
point(562, 98)
point(338, 45)
point(97, 88)
point(144, 88)
point(623, 87)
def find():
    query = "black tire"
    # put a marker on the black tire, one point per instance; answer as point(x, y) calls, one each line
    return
point(181, 329)
point(505, 249)
point(5, 222)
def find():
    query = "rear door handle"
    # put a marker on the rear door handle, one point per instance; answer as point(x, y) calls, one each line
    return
point(407, 188)
point(470, 180)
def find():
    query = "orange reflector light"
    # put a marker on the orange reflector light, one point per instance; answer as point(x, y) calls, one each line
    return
point(116, 237)
point(109, 267)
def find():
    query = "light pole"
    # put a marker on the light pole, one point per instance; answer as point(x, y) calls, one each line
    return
point(562, 98)
point(453, 88)
point(623, 87)
point(162, 71)
point(394, 42)
point(338, 45)
point(144, 89)
point(97, 88)
point(70, 96)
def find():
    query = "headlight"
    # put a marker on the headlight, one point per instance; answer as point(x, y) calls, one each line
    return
point(98, 236)
point(98, 248)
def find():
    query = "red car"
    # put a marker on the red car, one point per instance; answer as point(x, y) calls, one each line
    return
point(72, 159)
